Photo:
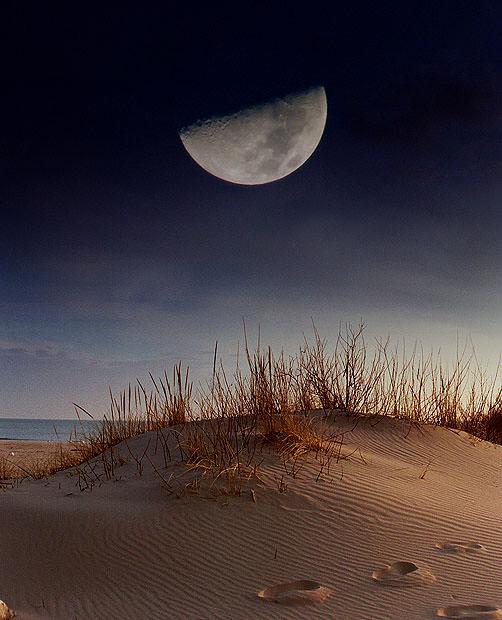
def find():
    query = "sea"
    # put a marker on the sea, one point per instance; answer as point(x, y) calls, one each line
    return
point(45, 430)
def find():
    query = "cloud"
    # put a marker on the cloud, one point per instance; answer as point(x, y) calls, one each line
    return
point(46, 382)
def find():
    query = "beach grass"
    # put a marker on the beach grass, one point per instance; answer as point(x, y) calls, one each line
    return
point(279, 401)
point(271, 400)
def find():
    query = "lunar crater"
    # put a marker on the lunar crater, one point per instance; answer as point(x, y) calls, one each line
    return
point(262, 143)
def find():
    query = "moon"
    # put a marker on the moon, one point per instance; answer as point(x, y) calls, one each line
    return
point(262, 143)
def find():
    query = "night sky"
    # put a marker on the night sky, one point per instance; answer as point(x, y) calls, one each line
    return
point(120, 255)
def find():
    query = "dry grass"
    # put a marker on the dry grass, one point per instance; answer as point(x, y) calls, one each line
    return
point(138, 411)
point(7, 470)
point(270, 404)
point(63, 457)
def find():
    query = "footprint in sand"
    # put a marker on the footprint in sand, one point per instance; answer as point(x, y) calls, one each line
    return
point(5, 612)
point(403, 574)
point(459, 547)
point(470, 612)
point(301, 592)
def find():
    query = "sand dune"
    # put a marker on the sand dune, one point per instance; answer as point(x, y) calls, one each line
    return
point(125, 549)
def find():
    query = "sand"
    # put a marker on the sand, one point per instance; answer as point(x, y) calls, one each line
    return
point(25, 454)
point(127, 549)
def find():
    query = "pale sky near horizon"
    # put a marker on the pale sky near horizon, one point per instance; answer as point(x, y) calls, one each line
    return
point(120, 255)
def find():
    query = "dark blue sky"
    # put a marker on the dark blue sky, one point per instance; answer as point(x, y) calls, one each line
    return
point(120, 255)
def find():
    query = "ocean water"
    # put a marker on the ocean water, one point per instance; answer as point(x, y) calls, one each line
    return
point(44, 430)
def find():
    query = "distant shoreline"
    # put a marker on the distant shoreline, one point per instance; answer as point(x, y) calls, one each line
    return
point(37, 429)
point(20, 439)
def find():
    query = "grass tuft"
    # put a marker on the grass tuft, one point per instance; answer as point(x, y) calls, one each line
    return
point(278, 401)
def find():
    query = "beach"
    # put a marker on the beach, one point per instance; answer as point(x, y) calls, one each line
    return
point(24, 455)
point(142, 540)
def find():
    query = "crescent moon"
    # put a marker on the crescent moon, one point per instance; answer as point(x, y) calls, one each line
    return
point(261, 143)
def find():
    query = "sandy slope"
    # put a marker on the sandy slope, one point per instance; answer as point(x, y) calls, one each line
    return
point(126, 549)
